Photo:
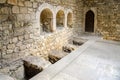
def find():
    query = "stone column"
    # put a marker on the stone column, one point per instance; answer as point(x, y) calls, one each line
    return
point(54, 23)
point(65, 23)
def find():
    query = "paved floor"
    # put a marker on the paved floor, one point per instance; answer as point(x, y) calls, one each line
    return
point(95, 60)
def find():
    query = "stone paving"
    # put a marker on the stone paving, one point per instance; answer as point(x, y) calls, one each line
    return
point(95, 60)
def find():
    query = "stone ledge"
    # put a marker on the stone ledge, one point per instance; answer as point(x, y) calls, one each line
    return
point(37, 61)
point(52, 70)
point(56, 55)
point(5, 77)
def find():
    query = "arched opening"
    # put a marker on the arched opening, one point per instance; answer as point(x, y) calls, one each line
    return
point(60, 19)
point(69, 20)
point(46, 20)
point(89, 22)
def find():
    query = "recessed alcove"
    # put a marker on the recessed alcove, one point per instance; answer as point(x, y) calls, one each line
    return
point(46, 20)
point(69, 20)
point(60, 19)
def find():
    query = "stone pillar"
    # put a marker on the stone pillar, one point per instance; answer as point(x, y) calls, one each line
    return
point(54, 23)
point(65, 23)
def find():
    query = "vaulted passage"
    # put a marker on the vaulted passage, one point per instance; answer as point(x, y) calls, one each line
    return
point(89, 22)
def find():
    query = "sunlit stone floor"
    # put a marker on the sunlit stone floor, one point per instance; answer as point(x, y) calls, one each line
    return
point(95, 60)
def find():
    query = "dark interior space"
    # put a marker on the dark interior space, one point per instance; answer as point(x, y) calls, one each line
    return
point(89, 22)
point(31, 70)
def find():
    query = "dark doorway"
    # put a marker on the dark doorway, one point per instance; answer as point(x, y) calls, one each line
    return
point(89, 22)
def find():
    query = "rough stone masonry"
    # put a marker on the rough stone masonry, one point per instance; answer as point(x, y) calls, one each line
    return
point(20, 26)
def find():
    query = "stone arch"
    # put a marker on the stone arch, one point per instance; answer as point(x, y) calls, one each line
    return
point(70, 19)
point(60, 18)
point(89, 21)
point(46, 20)
point(40, 10)
point(94, 10)
point(58, 8)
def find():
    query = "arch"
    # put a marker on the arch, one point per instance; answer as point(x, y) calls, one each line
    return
point(58, 8)
point(40, 10)
point(69, 11)
point(42, 7)
point(46, 20)
point(60, 18)
point(89, 21)
point(69, 20)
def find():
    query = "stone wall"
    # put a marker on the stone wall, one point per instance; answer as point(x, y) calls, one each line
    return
point(20, 25)
point(20, 29)
point(107, 14)
point(109, 19)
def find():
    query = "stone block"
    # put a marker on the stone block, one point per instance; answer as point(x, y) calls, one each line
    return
point(3, 18)
point(39, 62)
point(4, 48)
point(17, 25)
point(5, 10)
point(19, 44)
point(20, 3)
point(26, 36)
point(12, 2)
point(20, 17)
point(20, 38)
point(19, 31)
point(2, 1)
point(5, 77)
point(9, 51)
point(28, 4)
point(27, 16)
point(32, 0)
point(32, 16)
point(11, 46)
point(16, 50)
point(30, 10)
point(6, 32)
point(23, 47)
point(23, 10)
point(19, 73)
point(35, 5)
point(15, 9)
point(10, 41)
point(15, 40)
